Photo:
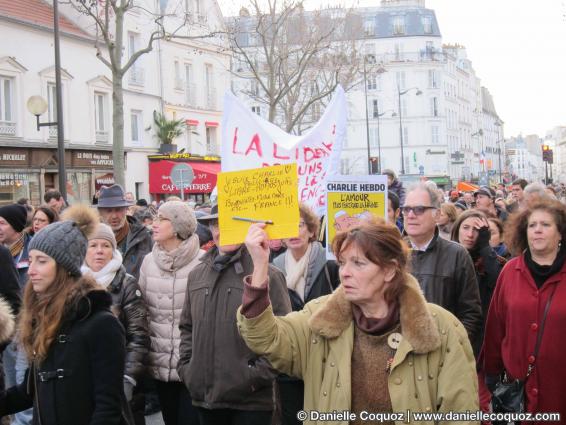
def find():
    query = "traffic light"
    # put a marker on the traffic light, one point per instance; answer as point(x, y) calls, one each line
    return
point(374, 161)
point(547, 154)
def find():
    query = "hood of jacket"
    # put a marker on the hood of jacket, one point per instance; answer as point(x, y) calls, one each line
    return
point(417, 324)
point(86, 300)
point(179, 257)
point(6, 321)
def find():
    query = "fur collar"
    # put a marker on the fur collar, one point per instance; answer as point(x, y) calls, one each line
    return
point(417, 324)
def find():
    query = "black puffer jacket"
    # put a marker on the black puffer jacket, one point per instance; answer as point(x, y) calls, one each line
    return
point(80, 380)
point(129, 306)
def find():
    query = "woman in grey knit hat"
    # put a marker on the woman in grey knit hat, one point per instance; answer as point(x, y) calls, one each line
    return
point(163, 282)
point(75, 344)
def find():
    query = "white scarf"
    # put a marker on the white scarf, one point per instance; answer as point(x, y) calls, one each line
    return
point(296, 271)
point(105, 276)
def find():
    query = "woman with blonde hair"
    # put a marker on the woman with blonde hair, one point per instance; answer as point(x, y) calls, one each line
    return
point(446, 218)
point(75, 344)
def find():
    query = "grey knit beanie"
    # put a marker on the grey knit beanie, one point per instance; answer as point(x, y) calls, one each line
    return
point(104, 231)
point(181, 216)
point(66, 241)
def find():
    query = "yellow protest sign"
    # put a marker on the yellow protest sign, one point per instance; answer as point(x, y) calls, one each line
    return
point(351, 199)
point(267, 194)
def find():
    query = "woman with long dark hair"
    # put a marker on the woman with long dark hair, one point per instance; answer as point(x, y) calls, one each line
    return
point(75, 344)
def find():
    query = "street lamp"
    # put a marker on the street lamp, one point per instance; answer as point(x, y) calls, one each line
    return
point(499, 125)
point(37, 106)
point(401, 93)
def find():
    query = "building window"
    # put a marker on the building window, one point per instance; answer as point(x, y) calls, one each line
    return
point(100, 117)
point(6, 101)
point(427, 24)
point(52, 102)
point(372, 82)
point(190, 88)
point(398, 25)
point(136, 72)
point(373, 137)
point(345, 166)
point(369, 27)
point(256, 110)
point(315, 111)
point(435, 135)
point(405, 136)
point(211, 140)
point(136, 126)
point(375, 108)
point(254, 88)
point(434, 106)
point(209, 87)
point(433, 79)
point(399, 51)
point(404, 108)
point(178, 80)
point(400, 76)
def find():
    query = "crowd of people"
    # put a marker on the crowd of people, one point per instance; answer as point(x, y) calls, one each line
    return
point(123, 308)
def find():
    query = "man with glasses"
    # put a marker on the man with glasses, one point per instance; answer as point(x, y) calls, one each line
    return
point(228, 383)
point(443, 268)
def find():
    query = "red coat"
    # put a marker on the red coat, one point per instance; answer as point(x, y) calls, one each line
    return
point(515, 313)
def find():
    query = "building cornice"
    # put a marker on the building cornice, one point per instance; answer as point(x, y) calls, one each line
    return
point(46, 29)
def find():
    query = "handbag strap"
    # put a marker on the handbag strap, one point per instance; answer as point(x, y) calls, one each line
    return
point(541, 330)
point(328, 278)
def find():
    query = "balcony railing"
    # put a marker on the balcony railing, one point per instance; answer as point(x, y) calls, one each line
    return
point(137, 76)
point(53, 132)
point(101, 136)
point(211, 148)
point(190, 94)
point(420, 56)
point(211, 99)
point(7, 128)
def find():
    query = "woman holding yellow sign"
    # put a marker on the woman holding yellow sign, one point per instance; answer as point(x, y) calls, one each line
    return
point(374, 344)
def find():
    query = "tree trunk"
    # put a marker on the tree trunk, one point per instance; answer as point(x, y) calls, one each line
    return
point(118, 129)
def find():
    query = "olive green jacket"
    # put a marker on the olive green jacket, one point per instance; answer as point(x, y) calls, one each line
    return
point(433, 369)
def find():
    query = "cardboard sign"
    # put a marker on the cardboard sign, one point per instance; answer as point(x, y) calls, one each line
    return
point(249, 141)
point(265, 194)
point(351, 199)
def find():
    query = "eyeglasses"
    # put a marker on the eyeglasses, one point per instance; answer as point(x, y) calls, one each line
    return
point(417, 210)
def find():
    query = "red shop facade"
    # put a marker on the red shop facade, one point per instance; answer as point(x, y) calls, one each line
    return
point(205, 171)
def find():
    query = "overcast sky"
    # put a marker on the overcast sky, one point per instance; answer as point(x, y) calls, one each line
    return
point(518, 50)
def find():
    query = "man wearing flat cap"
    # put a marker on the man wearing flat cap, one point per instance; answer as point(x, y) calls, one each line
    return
point(133, 238)
point(485, 202)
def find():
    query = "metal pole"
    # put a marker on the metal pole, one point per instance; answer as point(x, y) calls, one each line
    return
point(500, 171)
point(401, 132)
point(59, 101)
point(546, 173)
point(367, 116)
point(378, 141)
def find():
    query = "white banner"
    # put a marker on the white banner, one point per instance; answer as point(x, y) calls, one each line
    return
point(249, 141)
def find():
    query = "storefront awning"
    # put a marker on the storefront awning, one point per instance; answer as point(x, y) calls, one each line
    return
point(205, 174)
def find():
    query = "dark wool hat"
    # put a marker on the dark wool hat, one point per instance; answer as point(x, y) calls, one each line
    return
point(16, 215)
point(66, 241)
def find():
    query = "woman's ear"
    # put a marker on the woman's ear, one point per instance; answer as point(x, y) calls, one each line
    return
point(390, 271)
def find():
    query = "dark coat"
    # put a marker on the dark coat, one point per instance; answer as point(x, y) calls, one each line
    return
point(21, 261)
point(317, 283)
point(447, 277)
point(137, 245)
point(9, 281)
point(129, 306)
point(215, 364)
point(513, 321)
point(80, 382)
point(488, 265)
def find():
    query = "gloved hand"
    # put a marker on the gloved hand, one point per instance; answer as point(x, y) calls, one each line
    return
point(128, 389)
point(484, 235)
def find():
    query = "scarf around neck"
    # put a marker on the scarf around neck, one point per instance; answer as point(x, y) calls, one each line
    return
point(122, 233)
point(18, 246)
point(105, 276)
point(296, 271)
